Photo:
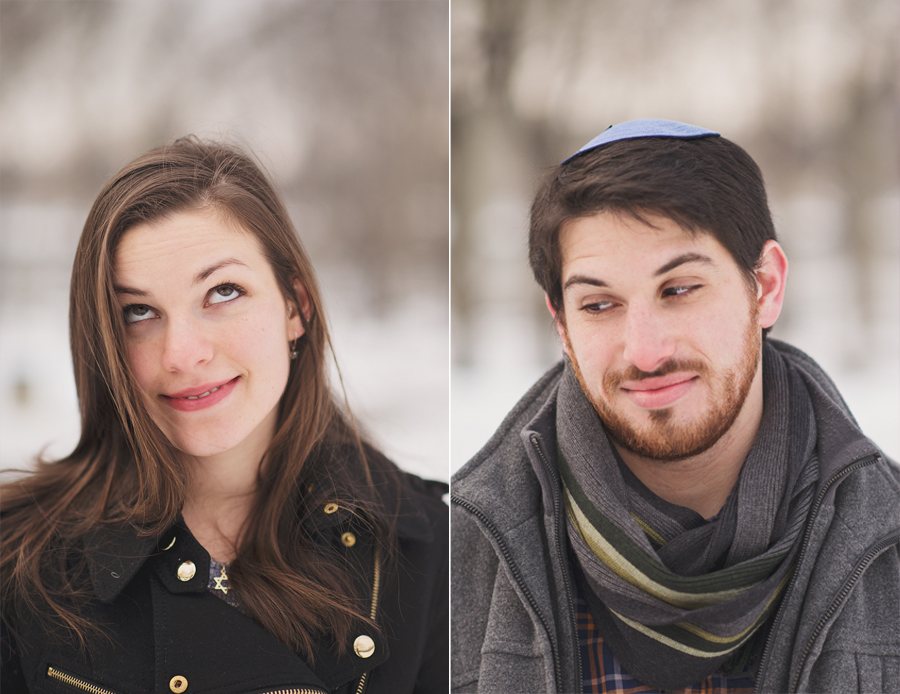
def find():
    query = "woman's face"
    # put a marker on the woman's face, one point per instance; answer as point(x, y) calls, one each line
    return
point(208, 332)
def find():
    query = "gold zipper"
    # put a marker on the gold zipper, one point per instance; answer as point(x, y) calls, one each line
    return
point(86, 686)
point(73, 681)
point(376, 584)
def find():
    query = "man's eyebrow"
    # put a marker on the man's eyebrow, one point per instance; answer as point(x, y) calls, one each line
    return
point(584, 279)
point(199, 277)
point(671, 265)
point(681, 260)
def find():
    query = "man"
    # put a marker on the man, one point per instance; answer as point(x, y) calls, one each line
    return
point(681, 502)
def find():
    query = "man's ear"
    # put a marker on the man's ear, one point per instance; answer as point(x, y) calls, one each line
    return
point(771, 277)
point(560, 325)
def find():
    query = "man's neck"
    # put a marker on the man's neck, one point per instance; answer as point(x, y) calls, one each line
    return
point(703, 482)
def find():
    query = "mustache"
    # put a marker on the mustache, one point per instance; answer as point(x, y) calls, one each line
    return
point(614, 379)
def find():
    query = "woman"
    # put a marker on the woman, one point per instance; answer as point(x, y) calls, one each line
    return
point(221, 526)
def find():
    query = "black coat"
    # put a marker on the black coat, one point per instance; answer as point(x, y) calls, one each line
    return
point(170, 635)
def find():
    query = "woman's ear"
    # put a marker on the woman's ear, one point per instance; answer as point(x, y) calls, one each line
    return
point(771, 277)
point(297, 326)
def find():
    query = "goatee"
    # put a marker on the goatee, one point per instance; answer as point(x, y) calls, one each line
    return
point(664, 438)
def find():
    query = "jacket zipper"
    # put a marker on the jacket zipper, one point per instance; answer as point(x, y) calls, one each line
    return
point(373, 610)
point(86, 686)
point(813, 512)
point(76, 682)
point(869, 557)
point(517, 575)
point(563, 562)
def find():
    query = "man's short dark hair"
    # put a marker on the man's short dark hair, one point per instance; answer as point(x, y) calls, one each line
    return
point(705, 184)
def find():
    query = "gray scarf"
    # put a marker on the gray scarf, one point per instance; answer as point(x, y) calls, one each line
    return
point(675, 596)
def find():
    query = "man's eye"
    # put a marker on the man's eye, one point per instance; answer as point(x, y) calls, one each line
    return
point(224, 293)
point(135, 313)
point(598, 306)
point(680, 291)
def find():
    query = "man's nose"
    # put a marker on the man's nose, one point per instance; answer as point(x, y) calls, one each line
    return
point(184, 345)
point(648, 339)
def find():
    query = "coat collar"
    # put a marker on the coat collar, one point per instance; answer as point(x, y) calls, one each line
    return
point(412, 521)
point(115, 553)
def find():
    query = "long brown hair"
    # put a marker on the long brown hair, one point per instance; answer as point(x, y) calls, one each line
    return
point(125, 471)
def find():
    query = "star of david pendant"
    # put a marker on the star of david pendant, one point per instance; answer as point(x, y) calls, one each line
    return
point(223, 577)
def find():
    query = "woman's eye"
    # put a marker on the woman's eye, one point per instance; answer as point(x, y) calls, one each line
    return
point(137, 313)
point(223, 293)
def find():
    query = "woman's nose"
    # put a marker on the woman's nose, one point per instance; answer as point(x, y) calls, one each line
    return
point(185, 346)
point(648, 339)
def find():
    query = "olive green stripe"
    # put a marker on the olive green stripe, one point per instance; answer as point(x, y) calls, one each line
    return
point(653, 536)
point(691, 639)
point(738, 577)
point(619, 565)
point(715, 582)
point(675, 644)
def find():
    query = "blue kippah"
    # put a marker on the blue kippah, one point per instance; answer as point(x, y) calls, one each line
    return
point(644, 127)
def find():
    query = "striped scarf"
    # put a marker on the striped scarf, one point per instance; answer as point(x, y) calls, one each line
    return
point(677, 597)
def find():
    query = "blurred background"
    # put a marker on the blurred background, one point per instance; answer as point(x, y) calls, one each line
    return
point(808, 87)
point(346, 106)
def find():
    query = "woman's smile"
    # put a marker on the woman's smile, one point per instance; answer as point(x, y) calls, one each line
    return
point(200, 398)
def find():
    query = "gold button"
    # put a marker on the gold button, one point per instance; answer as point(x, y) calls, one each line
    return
point(178, 684)
point(364, 646)
point(169, 546)
point(185, 573)
point(331, 508)
point(349, 539)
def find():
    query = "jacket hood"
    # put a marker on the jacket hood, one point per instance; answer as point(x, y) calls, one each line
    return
point(840, 439)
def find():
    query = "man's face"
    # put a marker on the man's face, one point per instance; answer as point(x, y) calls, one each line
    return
point(662, 329)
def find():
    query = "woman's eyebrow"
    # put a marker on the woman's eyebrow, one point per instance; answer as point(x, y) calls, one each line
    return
point(203, 274)
point(199, 277)
point(119, 289)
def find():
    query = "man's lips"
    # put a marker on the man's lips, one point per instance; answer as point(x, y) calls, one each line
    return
point(660, 391)
point(200, 397)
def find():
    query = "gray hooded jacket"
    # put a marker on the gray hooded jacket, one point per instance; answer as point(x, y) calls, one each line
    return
point(838, 626)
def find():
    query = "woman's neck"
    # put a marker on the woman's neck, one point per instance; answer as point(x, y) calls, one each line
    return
point(220, 501)
point(223, 492)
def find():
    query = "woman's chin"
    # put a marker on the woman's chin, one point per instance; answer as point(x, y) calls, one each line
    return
point(203, 447)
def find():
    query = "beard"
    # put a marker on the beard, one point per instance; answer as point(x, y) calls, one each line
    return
point(664, 438)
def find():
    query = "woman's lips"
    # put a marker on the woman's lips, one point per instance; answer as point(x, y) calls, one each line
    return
point(653, 393)
point(201, 397)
